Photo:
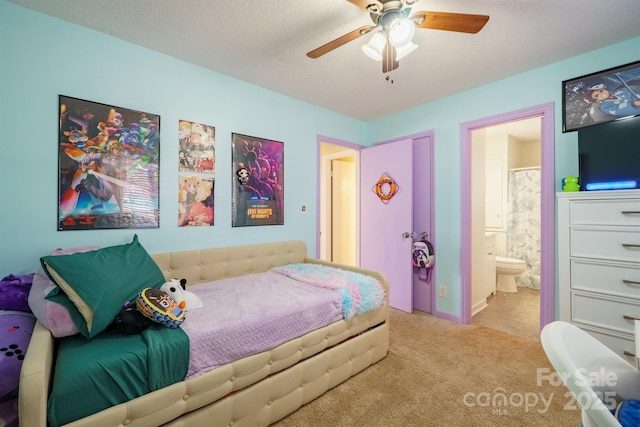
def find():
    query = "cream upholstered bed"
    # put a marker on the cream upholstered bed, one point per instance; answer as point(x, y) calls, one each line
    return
point(256, 390)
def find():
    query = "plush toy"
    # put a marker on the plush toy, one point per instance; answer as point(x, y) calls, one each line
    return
point(16, 328)
point(177, 290)
point(153, 306)
point(131, 321)
point(14, 292)
point(158, 306)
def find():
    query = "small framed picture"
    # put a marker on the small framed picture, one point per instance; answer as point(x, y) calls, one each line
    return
point(601, 97)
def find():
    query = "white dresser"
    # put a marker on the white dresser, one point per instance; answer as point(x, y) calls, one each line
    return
point(599, 265)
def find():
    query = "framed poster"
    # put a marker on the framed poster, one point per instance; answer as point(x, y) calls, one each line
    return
point(108, 166)
point(196, 155)
point(601, 97)
point(258, 181)
point(196, 147)
point(195, 201)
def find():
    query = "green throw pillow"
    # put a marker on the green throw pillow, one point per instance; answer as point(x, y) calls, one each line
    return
point(97, 283)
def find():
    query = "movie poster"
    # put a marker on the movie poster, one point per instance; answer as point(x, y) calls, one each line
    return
point(108, 166)
point(197, 147)
point(196, 164)
point(258, 181)
point(195, 201)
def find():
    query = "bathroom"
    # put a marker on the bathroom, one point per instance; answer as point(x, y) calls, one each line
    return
point(505, 292)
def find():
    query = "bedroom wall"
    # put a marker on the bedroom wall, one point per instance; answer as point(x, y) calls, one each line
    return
point(536, 87)
point(43, 57)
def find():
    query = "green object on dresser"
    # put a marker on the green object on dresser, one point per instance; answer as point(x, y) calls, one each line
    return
point(571, 183)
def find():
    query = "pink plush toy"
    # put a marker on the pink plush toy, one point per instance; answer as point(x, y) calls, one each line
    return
point(177, 290)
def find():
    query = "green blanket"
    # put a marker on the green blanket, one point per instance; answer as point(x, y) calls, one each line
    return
point(112, 368)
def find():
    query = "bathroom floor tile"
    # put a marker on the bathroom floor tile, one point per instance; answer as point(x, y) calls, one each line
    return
point(516, 313)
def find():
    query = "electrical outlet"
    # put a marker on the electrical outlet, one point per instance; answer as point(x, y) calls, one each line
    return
point(442, 291)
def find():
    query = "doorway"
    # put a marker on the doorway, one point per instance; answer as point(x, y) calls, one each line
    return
point(413, 286)
point(338, 165)
point(475, 236)
point(506, 208)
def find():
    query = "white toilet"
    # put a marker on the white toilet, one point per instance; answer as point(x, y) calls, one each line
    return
point(506, 271)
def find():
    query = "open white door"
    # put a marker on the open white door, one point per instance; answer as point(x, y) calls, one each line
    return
point(386, 218)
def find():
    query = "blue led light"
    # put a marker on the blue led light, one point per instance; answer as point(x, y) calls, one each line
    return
point(613, 185)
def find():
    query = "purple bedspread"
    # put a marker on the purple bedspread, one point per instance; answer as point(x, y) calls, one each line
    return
point(249, 314)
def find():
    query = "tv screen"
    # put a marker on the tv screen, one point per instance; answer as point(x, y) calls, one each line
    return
point(609, 152)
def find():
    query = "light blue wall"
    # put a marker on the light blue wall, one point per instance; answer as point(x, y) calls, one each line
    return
point(536, 87)
point(42, 57)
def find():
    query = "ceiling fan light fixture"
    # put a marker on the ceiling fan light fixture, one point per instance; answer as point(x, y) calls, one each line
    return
point(401, 32)
point(405, 50)
point(374, 48)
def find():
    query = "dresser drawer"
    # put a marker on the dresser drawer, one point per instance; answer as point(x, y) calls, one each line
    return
point(610, 244)
point(613, 279)
point(604, 313)
point(623, 347)
point(605, 212)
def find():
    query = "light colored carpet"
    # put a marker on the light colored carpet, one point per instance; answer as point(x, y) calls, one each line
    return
point(440, 373)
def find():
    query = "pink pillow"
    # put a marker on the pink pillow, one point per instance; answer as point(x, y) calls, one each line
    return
point(52, 315)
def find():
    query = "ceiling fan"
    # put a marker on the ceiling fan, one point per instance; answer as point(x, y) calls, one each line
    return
point(394, 27)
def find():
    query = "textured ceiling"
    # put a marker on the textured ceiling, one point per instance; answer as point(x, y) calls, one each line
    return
point(265, 42)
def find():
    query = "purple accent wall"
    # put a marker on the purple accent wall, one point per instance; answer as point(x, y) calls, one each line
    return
point(547, 208)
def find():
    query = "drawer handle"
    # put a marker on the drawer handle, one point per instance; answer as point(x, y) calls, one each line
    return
point(630, 245)
point(630, 212)
point(627, 317)
point(628, 353)
point(630, 282)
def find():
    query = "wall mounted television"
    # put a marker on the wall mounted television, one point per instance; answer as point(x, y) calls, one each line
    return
point(610, 153)
point(601, 97)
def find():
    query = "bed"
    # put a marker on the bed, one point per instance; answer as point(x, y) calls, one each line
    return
point(257, 389)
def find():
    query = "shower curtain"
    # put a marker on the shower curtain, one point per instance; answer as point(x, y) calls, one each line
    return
point(523, 223)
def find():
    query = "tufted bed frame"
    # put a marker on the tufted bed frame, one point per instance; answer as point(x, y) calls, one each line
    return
point(257, 390)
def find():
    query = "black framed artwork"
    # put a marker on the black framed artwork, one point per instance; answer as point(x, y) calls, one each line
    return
point(258, 181)
point(108, 166)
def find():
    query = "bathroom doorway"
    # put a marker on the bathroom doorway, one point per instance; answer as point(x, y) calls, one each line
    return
point(478, 166)
point(509, 297)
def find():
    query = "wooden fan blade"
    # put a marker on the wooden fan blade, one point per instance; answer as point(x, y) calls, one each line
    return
point(459, 22)
point(373, 6)
point(326, 48)
point(389, 60)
